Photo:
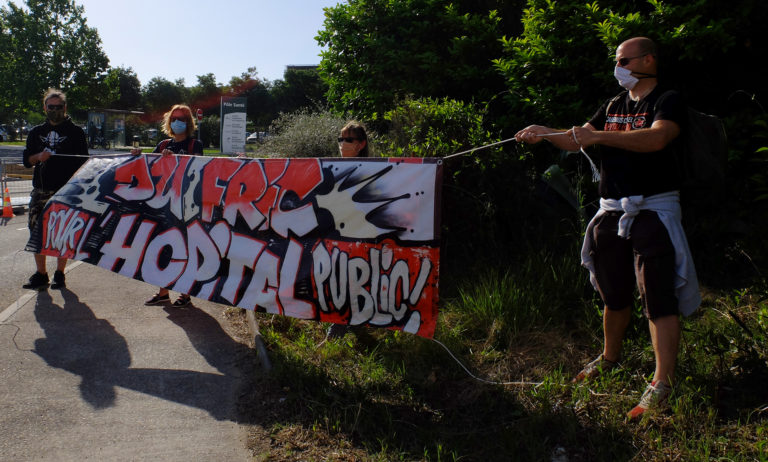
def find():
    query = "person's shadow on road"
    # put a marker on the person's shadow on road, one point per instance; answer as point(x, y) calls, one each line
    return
point(79, 342)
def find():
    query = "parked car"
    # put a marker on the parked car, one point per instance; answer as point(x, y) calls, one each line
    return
point(8, 133)
point(257, 137)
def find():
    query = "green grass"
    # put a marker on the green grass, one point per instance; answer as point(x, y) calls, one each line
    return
point(379, 395)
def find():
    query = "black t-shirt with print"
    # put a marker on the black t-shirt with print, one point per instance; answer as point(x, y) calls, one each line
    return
point(626, 173)
point(65, 141)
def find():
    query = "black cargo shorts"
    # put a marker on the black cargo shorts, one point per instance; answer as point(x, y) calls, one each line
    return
point(646, 260)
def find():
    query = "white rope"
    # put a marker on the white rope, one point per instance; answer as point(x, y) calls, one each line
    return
point(126, 154)
point(121, 154)
point(478, 148)
point(595, 171)
point(520, 383)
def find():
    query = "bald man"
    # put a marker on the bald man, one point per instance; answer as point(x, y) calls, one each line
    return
point(636, 240)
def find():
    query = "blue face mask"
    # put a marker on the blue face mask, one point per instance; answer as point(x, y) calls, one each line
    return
point(177, 126)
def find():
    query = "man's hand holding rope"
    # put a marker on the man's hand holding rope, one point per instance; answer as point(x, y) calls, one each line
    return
point(569, 140)
point(572, 140)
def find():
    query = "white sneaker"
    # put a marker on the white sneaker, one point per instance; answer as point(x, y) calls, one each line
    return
point(654, 397)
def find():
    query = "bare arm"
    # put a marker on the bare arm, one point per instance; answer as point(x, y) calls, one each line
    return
point(563, 139)
point(651, 139)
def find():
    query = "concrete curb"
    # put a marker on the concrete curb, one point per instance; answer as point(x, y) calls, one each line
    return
point(258, 341)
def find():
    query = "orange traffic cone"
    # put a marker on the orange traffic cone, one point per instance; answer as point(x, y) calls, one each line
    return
point(7, 209)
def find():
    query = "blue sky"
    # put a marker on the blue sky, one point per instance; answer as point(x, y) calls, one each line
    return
point(186, 38)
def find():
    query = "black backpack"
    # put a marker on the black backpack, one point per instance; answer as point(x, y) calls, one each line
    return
point(703, 147)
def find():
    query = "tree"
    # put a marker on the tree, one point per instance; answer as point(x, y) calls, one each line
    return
point(123, 89)
point(160, 95)
point(48, 44)
point(379, 51)
point(259, 95)
point(206, 95)
point(299, 88)
point(560, 68)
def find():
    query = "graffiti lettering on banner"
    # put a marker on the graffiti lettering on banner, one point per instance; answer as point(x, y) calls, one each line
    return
point(349, 241)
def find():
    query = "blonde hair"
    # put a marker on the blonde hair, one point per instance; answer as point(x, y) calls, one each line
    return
point(54, 93)
point(191, 126)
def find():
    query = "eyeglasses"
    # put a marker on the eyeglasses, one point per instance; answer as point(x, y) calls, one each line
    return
point(347, 139)
point(625, 61)
point(54, 107)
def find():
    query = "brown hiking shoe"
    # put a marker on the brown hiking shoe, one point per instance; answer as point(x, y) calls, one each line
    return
point(598, 366)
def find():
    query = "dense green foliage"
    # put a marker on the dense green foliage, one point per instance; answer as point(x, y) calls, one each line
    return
point(379, 51)
point(48, 44)
point(560, 68)
point(433, 128)
point(123, 89)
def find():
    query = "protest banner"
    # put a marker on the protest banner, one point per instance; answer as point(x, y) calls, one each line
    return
point(349, 241)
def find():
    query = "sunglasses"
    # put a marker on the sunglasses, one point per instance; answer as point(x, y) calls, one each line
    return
point(625, 61)
point(347, 139)
point(181, 119)
point(54, 107)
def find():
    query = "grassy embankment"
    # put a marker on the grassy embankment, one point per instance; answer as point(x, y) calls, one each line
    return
point(381, 395)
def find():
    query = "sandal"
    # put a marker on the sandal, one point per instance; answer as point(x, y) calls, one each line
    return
point(183, 300)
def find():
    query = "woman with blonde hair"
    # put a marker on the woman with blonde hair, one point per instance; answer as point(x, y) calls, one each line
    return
point(179, 124)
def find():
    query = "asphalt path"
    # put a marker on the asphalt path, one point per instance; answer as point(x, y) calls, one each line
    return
point(90, 373)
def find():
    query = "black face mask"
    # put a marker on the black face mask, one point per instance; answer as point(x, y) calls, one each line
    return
point(56, 115)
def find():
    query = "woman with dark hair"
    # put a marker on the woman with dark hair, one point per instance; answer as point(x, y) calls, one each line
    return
point(353, 141)
point(179, 124)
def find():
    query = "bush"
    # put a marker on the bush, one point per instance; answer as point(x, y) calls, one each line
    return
point(433, 128)
point(210, 131)
point(492, 213)
point(304, 133)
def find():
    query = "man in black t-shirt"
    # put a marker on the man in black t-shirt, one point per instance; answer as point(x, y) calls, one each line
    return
point(56, 149)
point(636, 238)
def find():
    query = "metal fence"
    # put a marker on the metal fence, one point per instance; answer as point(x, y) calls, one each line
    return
point(16, 179)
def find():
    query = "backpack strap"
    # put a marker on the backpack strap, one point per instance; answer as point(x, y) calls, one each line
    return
point(613, 101)
point(163, 144)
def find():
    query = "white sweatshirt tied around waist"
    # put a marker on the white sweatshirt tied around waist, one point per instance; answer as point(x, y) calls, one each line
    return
point(667, 207)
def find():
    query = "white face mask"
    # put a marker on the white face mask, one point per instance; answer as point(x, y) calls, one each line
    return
point(625, 77)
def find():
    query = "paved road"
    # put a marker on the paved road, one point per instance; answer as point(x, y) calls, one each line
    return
point(89, 373)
